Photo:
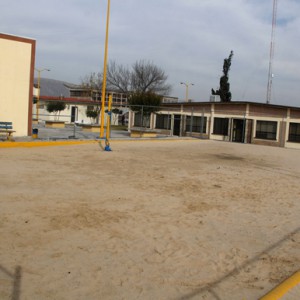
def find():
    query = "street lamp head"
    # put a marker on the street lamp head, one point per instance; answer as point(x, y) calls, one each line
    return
point(186, 89)
point(41, 70)
point(186, 83)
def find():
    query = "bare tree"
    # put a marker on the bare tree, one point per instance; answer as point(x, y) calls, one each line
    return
point(143, 77)
point(92, 83)
point(147, 77)
point(118, 77)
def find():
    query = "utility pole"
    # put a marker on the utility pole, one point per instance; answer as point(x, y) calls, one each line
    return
point(272, 46)
point(39, 91)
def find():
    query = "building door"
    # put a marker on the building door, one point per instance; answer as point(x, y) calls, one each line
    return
point(176, 128)
point(238, 130)
point(74, 114)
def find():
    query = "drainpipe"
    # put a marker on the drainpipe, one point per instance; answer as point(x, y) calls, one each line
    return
point(202, 124)
point(191, 124)
point(244, 127)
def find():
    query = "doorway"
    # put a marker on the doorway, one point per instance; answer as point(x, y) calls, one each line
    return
point(74, 110)
point(176, 128)
point(238, 130)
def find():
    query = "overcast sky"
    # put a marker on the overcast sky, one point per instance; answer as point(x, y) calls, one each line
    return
point(188, 39)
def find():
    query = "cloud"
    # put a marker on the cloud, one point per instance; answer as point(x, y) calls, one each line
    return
point(189, 39)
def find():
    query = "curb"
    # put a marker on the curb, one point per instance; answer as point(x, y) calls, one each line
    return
point(285, 287)
point(42, 144)
point(31, 144)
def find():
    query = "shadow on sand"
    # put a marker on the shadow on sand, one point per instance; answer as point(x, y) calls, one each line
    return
point(210, 287)
point(16, 278)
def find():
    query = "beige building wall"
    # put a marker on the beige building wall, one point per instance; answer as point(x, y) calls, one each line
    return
point(17, 57)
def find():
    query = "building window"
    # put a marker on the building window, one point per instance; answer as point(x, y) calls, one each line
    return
point(80, 93)
point(266, 130)
point(221, 126)
point(90, 107)
point(198, 124)
point(294, 132)
point(141, 121)
point(96, 96)
point(163, 121)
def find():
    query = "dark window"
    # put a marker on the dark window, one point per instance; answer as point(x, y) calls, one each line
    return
point(294, 132)
point(221, 126)
point(140, 121)
point(90, 107)
point(79, 93)
point(163, 121)
point(198, 124)
point(96, 95)
point(266, 130)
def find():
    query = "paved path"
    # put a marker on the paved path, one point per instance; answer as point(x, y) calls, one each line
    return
point(69, 132)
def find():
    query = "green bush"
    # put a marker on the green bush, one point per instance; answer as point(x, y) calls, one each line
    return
point(55, 107)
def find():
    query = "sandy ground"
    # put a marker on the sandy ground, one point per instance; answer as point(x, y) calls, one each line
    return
point(150, 220)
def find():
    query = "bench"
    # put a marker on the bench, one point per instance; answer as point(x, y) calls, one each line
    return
point(7, 129)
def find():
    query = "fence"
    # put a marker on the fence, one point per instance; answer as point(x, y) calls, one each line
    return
point(233, 122)
point(168, 120)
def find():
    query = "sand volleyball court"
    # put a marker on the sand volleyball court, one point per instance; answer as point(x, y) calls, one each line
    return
point(175, 220)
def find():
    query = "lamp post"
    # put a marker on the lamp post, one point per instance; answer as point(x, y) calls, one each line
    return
point(39, 91)
point(104, 72)
point(186, 90)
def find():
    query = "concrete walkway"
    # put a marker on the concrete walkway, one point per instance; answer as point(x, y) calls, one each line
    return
point(71, 132)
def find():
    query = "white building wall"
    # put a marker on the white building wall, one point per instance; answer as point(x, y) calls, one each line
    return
point(66, 114)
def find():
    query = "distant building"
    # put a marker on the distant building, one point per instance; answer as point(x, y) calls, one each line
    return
point(168, 99)
point(78, 100)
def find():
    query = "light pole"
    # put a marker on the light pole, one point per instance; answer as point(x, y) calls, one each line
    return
point(39, 91)
point(186, 90)
point(104, 72)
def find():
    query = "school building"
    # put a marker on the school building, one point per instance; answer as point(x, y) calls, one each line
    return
point(242, 122)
